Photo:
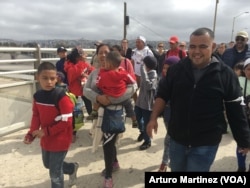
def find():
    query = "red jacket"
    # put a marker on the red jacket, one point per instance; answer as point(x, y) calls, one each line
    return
point(58, 133)
point(74, 72)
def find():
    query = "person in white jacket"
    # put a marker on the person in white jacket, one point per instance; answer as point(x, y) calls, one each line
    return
point(139, 53)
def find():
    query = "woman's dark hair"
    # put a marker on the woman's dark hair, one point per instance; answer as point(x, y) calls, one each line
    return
point(240, 66)
point(117, 47)
point(75, 54)
point(101, 45)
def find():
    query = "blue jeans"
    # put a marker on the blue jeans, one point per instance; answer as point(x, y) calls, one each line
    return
point(142, 117)
point(241, 160)
point(54, 161)
point(191, 159)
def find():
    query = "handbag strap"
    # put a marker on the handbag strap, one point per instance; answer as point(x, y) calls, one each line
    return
point(245, 88)
point(126, 64)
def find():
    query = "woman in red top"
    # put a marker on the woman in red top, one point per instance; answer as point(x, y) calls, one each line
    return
point(77, 70)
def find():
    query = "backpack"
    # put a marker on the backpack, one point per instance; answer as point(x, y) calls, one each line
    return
point(247, 101)
point(77, 114)
point(180, 54)
point(59, 93)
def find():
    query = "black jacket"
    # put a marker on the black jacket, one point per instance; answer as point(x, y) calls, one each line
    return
point(160, 61)
point(60, 67)
point(197, 109)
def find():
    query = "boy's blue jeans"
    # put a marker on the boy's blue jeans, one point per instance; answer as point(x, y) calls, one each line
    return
point(191, 159)
point(54, 161)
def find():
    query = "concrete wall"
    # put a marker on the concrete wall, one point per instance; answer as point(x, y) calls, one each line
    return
point(15, 108)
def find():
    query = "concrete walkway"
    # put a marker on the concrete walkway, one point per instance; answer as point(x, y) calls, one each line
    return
point(21, 165)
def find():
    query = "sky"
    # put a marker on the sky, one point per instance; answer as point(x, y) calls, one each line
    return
point(156, 20)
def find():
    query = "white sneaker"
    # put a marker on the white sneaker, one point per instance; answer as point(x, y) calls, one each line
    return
point(73, 177)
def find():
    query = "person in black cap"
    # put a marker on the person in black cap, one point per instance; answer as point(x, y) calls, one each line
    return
point(62, 53)
point(145, 100)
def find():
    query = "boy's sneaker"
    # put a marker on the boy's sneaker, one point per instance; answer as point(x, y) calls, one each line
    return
point(108, 183)
point(93, 115)
point(115, 168)
point(73, 177)
point(135, 124)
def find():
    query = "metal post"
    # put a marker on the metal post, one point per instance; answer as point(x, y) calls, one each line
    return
point(38, 61)
point(215, 15)
point(233, 29)
point(234, 22)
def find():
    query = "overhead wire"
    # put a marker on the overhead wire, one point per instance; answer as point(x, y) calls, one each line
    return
point(139, 22)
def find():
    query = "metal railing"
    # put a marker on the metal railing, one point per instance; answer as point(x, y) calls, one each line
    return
point(39, 54)
point(17, 83)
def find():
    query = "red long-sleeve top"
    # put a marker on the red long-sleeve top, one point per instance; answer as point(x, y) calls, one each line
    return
point(114, 82)
point(74, 74)
point(58, 131)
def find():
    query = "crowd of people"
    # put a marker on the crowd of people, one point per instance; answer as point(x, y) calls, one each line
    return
point(199, 89)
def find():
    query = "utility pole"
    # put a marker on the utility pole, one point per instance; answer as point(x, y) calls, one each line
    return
point(125, 26)
point(126, 21)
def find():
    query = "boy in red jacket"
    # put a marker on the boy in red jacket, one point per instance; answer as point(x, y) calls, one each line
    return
point(53, 125)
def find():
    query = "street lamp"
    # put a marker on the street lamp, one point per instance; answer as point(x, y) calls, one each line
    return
point(215, 15)
point(234, 21)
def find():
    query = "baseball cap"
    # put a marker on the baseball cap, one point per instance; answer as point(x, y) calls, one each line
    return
point(172, 60)
point(61, 49)
point(173, 39)
point(243, 34)
point(142, 38)
point(97, 43)
point(247, 62)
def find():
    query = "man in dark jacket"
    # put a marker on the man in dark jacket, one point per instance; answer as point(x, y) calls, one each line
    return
point(160, 56)
point(62, 53)
point(198, 88)
point(126, 51)
point(239, 52)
